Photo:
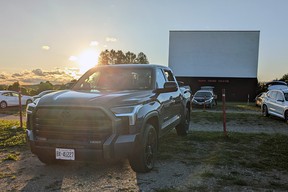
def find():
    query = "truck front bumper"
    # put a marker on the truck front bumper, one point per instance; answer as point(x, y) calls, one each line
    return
point(115, 147)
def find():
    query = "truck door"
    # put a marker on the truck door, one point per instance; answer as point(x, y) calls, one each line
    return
point(168, 110)
point(175, 97)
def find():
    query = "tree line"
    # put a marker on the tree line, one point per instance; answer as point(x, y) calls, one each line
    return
point(118, 57)
point(35, 89)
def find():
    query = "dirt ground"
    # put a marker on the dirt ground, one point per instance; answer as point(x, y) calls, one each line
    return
point(29, 174)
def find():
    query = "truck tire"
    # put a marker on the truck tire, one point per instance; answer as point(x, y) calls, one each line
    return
point(183, 127)
point(46, 159)
point(286, 116)
point(144, 158)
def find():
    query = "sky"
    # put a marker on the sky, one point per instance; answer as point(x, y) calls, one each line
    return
point(50, 40)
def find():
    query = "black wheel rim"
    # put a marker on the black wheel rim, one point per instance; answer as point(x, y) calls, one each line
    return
point(150, 149)
point(3, 105)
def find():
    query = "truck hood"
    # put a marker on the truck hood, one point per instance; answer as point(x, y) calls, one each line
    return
point(95, 99)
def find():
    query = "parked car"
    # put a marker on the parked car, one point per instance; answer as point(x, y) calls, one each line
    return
point(42, 94)
point(203, 97)
point(259, 99)
point(11, 98)
point(275, 103)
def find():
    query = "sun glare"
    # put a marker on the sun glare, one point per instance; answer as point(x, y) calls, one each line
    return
point(88, 59)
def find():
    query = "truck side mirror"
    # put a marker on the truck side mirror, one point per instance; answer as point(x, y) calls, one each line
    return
point(169, 86)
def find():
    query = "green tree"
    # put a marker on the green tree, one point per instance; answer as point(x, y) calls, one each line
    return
point(284, 78)
point(3, 87)
point(118, 57)
point(130, 57)
point(33, 92)
point(44, 86)
point(142, 58)
point(14, 87)
point(104, 58)
point(261, 87)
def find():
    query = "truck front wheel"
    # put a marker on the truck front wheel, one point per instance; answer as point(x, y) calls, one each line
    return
point(46, 159)
point(144, 158)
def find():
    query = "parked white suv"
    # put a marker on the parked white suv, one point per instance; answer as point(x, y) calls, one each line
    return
point(275, 102)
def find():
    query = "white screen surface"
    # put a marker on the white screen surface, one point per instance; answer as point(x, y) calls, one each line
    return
point(214, 53)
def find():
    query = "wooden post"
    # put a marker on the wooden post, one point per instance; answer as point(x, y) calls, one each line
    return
point(224, 112)
point(20, 108)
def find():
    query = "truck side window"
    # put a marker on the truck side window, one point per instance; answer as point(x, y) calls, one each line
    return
point(160, 79)
point(169, 75)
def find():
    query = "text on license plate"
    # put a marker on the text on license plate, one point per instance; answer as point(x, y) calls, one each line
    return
point(65, 154)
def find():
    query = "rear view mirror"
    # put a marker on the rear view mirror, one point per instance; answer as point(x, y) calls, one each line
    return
point(169, 86)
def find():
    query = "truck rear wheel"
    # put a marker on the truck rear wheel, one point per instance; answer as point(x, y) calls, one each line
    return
point(144, 158)
point(183, 127)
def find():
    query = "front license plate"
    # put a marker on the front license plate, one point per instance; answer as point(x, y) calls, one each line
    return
point(65, 154)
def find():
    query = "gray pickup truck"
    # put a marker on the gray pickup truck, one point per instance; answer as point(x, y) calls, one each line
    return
point(112, 112)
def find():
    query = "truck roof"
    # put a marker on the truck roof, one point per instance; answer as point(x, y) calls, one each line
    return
point(134, 66)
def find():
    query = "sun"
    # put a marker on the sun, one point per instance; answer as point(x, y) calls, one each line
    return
point(87, 59)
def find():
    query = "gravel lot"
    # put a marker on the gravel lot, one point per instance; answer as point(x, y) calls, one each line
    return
point(29, 174)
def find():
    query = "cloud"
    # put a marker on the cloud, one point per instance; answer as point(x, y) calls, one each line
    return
point(14, 75)
point(111, 39)
point(36, 76)
point(94, 43)
point(38, 72)
point(2, 76)
point(73, 58)
point(45, 47)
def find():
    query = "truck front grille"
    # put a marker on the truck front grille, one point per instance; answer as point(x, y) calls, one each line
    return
point(73, 124)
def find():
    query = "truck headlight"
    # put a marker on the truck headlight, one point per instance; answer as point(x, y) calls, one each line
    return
point(127, 111)
point(31, 106)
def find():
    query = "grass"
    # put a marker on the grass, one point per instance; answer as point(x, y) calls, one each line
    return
point(11, 135)
point(256, 151)
point(228, 161)
point(12, 156)
point(13, 110)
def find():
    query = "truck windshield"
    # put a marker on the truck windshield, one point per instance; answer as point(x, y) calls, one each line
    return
point(110, 78)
